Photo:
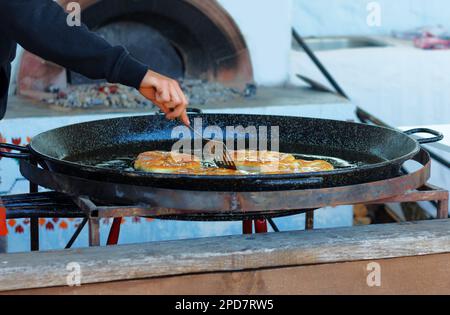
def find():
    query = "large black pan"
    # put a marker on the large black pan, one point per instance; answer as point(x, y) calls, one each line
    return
point(378, 152)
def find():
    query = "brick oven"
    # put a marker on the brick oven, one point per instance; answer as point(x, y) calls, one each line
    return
point(226, 41)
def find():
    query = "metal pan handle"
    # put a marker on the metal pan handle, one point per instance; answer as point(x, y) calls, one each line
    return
point(189, 110)
point(24, 151)
point(194, 110)
point(438, 136)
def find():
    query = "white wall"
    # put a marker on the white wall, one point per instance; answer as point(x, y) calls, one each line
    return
point(266, 27)
point(348, 17)
point(15, 71)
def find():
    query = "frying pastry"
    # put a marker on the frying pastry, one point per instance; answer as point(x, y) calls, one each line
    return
point(247, 162)
point(167, 162)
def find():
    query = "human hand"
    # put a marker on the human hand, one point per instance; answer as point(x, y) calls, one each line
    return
point(166, 93)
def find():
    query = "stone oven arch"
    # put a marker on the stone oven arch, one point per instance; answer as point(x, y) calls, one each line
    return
point(205, 37)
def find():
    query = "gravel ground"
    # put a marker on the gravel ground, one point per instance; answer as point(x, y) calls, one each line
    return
point(120, 96)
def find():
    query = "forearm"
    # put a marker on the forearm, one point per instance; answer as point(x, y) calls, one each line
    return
point(40, 26)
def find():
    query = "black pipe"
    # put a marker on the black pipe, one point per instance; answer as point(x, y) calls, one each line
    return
point(318, 64)
point(273, 225)
point(77, 232)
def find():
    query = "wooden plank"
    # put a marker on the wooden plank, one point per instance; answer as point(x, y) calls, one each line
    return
point(406, 275)
point(232, 253)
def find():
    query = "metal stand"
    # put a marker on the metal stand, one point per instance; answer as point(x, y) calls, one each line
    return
point(34, 222)
point(426, 193)
point(58, 204)
point(94, 213)
point(309, 220)
point(52, 204)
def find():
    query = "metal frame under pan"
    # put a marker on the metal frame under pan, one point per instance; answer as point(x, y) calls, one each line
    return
point(149, 201)
point(82, 206)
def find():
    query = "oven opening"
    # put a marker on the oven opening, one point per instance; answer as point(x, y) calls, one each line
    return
point(194, 41)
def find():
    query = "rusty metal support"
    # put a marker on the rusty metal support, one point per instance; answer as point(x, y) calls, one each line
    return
point(91, 212)
point(427, 192)
point(442, 209)
point(94, 232)
point(309, 220)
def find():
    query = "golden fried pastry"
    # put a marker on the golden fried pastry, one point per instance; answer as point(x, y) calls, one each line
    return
point(167, 162)
point(247, 162)
point(262, 161)
point(315, 166)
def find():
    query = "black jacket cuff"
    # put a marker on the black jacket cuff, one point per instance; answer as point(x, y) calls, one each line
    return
point(131, 72)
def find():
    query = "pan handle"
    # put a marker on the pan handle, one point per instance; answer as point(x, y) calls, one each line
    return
point(24, 151)
point(193, 110)
point(189, 110)
point(438, 136)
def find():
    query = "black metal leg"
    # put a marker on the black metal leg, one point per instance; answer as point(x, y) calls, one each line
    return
point(34, 222)
point(273, 225)
point(77, 233)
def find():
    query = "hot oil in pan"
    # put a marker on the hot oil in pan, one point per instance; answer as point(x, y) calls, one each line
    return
point(122, 158)
point(125, 163)
point(119, 158)
point(336, 162)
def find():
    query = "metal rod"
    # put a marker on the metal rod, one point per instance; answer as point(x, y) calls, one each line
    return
point(318, 64)
point(34, 222)
point(442, 209)
point(309, 220)
point(114, 232)
point(77, 233)
point(94, 232)
point(439, 159)
point(43, 213)
point(273, 225)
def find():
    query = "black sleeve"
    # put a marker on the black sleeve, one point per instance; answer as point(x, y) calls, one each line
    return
point(40, 26)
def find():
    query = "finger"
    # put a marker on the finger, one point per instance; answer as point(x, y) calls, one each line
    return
point(176, 112)
point(163, 108)
point(181, 94)
point(185, 119)
point(163, 94)
point(176, 99)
